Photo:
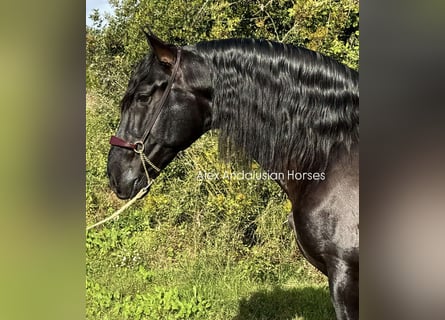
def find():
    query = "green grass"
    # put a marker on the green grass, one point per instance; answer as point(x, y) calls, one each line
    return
point(211, 249)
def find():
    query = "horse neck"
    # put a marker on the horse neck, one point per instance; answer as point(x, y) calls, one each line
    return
point(259, 108)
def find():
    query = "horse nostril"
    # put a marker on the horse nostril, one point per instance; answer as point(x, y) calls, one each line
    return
point(123, 189)
point(113, 183)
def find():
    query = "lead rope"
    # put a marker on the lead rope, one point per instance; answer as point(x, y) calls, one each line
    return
point(139, 195)
point(138, 147)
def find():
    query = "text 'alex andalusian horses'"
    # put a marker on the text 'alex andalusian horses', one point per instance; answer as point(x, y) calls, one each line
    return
point(289, 108)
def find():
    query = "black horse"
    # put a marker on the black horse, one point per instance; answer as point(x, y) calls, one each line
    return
point(293, 110)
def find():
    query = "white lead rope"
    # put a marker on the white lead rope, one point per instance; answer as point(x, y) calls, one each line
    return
point(139, 195)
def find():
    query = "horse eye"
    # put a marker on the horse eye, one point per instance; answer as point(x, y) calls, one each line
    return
point(143, 98)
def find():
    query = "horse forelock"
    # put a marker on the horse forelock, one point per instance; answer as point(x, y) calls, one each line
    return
point(140, 73)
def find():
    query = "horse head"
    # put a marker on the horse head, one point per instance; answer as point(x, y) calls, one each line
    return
point(165, 109)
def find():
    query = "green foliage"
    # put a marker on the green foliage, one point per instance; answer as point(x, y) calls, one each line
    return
point(192, 248)
point(327, 26)
point(161, 303)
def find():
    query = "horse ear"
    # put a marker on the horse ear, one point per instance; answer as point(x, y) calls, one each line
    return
point(165, 53)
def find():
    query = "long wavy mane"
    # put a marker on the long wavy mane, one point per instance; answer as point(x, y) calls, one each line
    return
point(283, 105)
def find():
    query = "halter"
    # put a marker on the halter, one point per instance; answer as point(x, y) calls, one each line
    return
point(138, 146)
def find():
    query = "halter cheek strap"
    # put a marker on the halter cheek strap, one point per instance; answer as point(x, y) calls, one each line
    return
point(138, 146)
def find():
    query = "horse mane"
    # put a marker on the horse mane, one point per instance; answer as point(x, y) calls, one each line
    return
point(282, 105)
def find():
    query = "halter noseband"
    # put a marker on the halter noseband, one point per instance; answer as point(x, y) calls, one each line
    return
point(138, 146)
